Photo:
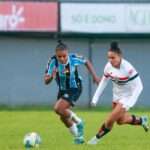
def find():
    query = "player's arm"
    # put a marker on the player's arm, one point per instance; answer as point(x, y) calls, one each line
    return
point(99, 90)
point(103, 83)
point(47, 79)
point(78, 60)
point(50, 72)
point(90, 67)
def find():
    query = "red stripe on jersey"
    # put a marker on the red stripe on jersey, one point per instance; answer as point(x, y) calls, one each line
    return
point(123, 78)
point(119, 78)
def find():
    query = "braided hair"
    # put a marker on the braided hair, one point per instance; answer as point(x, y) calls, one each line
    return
point(61, 46)
point(115, 48)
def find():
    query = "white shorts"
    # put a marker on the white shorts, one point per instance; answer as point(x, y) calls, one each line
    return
point(130, 97)
point(126, 102)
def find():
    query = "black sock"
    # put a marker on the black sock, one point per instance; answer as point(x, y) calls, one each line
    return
point(136, 120)
point(103, 130)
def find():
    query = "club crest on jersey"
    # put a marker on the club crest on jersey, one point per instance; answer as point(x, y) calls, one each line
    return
point(65, 71)
point(66, 95)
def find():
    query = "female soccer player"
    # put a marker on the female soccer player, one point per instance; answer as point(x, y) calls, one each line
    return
point(63, 68)
point(127, 87)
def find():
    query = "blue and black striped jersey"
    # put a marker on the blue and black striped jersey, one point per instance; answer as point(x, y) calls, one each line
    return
point(67, 74)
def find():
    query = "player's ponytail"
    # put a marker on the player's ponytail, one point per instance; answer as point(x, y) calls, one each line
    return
point(61, 46)
point(115, 48)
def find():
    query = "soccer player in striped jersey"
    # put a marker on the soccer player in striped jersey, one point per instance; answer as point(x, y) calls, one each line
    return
point(127, 86)
point(63, 68)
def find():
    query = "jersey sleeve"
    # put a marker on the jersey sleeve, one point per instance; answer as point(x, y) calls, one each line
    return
point(51, 66)
point(103, 83)
point(130, 70)
point(78, 59)
point(106, 73)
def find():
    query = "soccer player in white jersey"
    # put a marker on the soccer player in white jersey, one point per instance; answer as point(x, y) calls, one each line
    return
point(127, 86)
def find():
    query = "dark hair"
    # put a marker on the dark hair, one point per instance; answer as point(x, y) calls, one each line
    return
point(61, 46)
point(115, 48)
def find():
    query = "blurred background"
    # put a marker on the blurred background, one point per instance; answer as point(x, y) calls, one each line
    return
point(29, 31)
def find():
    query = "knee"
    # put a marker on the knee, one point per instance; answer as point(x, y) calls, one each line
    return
point(120, 122)
point(57, 110)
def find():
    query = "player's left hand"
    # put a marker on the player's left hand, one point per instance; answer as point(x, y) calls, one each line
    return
point(96, 80)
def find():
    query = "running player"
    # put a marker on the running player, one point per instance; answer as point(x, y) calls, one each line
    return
point(63, 68)
point(127, 86)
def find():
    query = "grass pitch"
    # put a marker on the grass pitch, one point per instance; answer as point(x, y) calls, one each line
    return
point(15, 123)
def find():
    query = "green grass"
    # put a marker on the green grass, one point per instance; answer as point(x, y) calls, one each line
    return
point(15, 123)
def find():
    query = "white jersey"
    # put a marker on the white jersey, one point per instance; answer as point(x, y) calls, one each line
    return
point(122, 78)
point(127, 84)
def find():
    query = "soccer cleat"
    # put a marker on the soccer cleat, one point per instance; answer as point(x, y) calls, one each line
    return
point(79, 140)
point(93, 141)
point(145, 123)
point(80, 128)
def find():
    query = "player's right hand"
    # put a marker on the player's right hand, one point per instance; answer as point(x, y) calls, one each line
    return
point(47, 79)
point(96, 80)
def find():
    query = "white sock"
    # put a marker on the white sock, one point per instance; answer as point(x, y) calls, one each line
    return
point(75, 117)
point(94, 140)
point(73, 129)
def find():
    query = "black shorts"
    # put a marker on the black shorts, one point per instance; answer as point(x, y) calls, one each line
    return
point(71, 95)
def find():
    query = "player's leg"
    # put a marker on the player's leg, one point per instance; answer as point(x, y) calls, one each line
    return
point(71, 96)
point(69, 118)
point(75, 129)
point(73, 121)
point(80, 127)
point(117, 111)
point(127, 118)
point(74, 95)
point(70, 125)
point(134, 120)
point(61, 108)
point(74, 117)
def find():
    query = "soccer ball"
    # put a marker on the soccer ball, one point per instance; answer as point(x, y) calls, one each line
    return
point(32, 139)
